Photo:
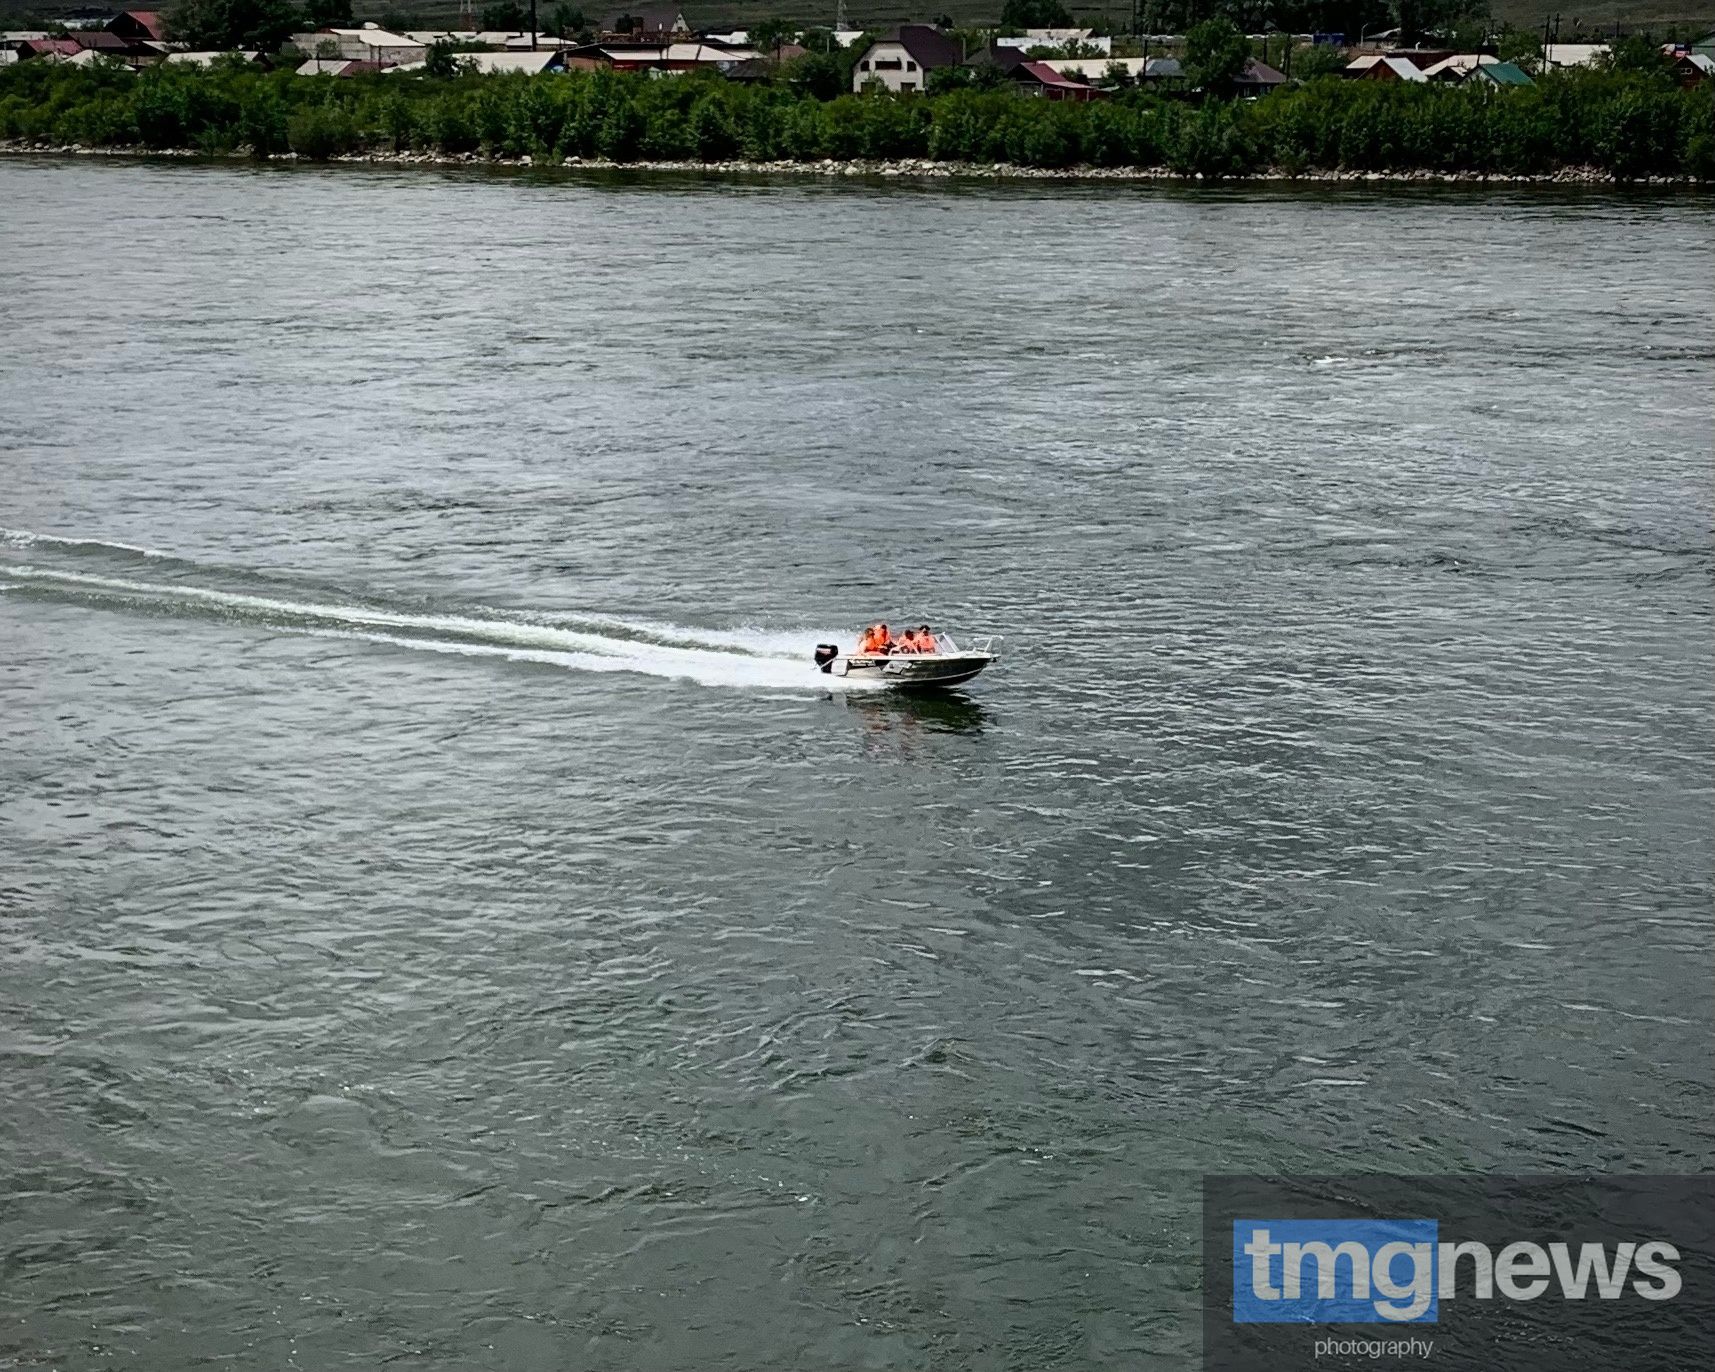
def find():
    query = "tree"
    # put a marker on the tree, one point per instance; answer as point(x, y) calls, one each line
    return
point(1637, 53)
point(1035, 14)
point(1215, 56)
point(566, 20)
point(1321, 59)
point(771, 34)
point(222, 25)
point(507, 16)
point(819, 74)
point(327, 14)
point(1417, 18)
point(439, 61)
point(1521, 47)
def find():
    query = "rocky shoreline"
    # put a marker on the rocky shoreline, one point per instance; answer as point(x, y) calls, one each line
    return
point(909, 168)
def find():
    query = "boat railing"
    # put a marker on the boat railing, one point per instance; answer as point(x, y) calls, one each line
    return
point(988, 643)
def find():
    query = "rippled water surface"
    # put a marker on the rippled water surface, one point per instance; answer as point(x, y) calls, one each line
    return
point(444, 920)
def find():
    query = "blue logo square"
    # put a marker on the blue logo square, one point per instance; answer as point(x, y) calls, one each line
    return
point(1335, 1271)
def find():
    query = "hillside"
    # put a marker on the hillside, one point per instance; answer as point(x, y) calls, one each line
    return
point(1676, 17)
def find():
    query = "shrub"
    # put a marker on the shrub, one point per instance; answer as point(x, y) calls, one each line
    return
point(319, 132)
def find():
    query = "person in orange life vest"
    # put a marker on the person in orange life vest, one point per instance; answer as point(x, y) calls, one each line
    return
point(925, 639)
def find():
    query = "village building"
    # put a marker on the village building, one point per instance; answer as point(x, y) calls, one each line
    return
point(1574, 54)
point(1374, 67)
point(1136, 71)
point(1041, 80)
point(208, 59)
point(901, 59)
point(1003, 56)
point(647, 23)
point(1056, 38)
point(1258, 78)
point(1500, 74)
point(367, 44)
point(338, 66)
point(1457, 67)
point(494, 40)
point(657, 57)
point(139, 26)
point(498, 63)
point(1693, 69)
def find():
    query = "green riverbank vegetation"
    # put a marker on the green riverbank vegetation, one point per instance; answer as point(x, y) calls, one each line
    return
point(1630, 124)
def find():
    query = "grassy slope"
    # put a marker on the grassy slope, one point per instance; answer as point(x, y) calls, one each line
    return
point(1656, 15)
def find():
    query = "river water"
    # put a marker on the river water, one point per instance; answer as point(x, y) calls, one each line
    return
point(443, 918)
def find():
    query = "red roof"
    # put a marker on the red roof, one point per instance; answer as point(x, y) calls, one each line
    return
point(1049, 77)
point(151, 22)
point(46, 47)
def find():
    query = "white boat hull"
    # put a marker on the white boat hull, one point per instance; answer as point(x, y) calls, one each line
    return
point(911, 669)
point(951, 665)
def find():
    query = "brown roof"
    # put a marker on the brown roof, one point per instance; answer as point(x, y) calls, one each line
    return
point(147, 24)
point(1260, 74)
point(929, 46)
point(1004, 56)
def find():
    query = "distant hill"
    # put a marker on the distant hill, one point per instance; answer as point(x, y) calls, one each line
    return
point(1657, 16)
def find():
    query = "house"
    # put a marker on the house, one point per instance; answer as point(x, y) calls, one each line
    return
point(88, 57)
point(1057, 38)
point(1041, 80)
point(1258, 78)
point(753, 71)
point(1704, 46)
point(1138, 70)
point(1693, 69)
point(53, 49)
point(1458, 66)
point(1500, 74)
point(1573, 54)
point(338, 66)
point(997, 55)
point(139, 26)
point(902, 58)
point(367, 44)
point(108, 44)
point(208, 59)
point(497, 63)
point(647, 23)
point(656, 57)
point(1388, 69)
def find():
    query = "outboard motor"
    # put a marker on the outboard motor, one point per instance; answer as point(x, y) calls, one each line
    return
point(825, 655)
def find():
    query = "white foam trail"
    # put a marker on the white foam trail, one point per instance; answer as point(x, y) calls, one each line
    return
point(766, 660)
point(23, 538)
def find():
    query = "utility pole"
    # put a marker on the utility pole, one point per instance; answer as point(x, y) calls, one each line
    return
point(532, 25)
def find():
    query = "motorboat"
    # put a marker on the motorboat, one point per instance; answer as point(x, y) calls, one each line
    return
point(948, 665)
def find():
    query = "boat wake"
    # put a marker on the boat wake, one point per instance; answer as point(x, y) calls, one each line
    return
point(747, 658)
